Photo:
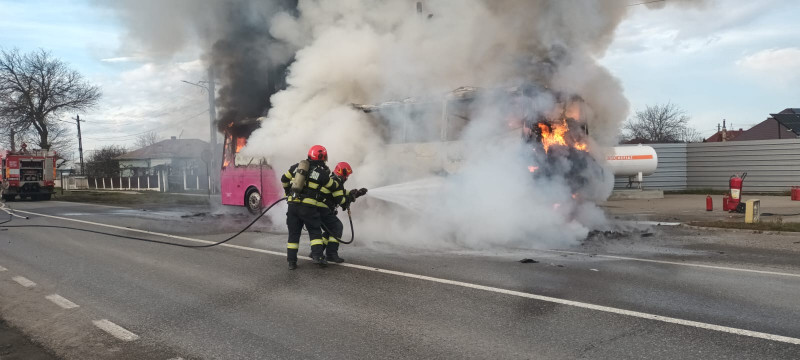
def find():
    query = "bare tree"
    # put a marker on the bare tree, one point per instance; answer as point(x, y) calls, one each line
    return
point(665, 123)
point(35, 89)
point(146, 139)
point(104, 162)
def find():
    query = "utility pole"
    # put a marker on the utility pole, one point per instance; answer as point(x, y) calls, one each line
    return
point(80, 141)
point(212, 115)
point(13, 142)
point(216, 153)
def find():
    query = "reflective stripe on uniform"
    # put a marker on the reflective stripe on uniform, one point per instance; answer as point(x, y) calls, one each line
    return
point(324, 241)
point(311, 201)
point(316, 242)
point(338, 193)
point(330, 182)
point(332, 239)
point(313, 185)
point(292, 245)
point(289, 175)
point(286, 184)
point(325, 191)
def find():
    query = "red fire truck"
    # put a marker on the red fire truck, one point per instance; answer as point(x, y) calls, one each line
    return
point(27, 173)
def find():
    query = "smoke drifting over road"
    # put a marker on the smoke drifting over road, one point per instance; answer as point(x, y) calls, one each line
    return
point(373, 51)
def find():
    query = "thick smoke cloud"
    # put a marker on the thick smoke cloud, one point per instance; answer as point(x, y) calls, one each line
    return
point(370, 52)
point(473, 191)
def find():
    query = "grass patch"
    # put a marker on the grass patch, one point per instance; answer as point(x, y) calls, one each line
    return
point(763, 226)
point(129, 198)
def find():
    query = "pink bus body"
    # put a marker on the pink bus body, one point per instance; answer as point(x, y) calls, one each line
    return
point(253, 184)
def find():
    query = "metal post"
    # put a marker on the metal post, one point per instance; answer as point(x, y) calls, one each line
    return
point(80, 141)
point(212, 116)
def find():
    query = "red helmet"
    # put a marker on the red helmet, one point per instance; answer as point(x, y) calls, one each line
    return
point(318, 153)
point(343, 170)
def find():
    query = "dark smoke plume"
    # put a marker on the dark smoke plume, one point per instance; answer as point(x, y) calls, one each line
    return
point(233, 35)
point(250, 65)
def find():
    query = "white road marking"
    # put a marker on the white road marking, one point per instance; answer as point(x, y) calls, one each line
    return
point(674, 263)
point(578, 304)
point(2, 268)
point(24, 281)
point(61, 301)
point(115, 330)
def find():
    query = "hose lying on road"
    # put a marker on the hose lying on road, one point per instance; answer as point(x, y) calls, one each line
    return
point(142, 239)
point(12, 215)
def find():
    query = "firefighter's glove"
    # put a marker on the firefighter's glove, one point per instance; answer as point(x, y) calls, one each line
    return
point(360, 192)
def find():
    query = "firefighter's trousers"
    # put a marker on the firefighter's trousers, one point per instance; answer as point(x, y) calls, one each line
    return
point(297, 216)
point(336, 227)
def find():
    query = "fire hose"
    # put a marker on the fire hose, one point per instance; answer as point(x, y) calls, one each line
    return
point(12, 215)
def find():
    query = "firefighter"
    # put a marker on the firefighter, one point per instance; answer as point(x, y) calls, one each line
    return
point(331, 222)
point(306, 185)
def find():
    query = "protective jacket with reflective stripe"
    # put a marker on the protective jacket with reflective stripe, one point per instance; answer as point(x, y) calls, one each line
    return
point(319, 184)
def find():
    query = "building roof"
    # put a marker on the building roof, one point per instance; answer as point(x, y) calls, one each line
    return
point(768, 129)
point(166, 149)
point(790, 118)
point(729, 135)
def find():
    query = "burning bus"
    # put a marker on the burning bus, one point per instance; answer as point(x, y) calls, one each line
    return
point(427, 132)
point(246, 181)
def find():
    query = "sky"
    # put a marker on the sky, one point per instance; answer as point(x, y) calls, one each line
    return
point(725, 59)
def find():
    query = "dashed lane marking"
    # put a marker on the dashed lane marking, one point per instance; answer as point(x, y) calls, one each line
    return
point(607, 309)
point(115, 330)
point(61, 301)
point(24, 281)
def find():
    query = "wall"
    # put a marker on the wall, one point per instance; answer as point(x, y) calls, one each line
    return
point(771, 165)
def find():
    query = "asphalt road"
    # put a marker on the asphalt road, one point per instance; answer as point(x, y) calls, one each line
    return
point(674, 293)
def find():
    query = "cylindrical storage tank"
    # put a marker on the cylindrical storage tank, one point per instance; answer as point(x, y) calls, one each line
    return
point(632, 160)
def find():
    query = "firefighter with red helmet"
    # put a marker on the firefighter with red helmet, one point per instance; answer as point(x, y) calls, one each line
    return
point(307, 184)
point(339, 197)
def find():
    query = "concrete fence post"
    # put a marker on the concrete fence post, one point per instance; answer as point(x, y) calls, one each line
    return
point(184, 179)
point(95, 183)
point(104, 183)
point(148, 182)
point(197, 183)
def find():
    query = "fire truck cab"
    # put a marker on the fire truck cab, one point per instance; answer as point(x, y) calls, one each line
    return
point(27, 174)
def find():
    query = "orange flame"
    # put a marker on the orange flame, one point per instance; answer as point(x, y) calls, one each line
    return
point(554, 136)
point(240, 143)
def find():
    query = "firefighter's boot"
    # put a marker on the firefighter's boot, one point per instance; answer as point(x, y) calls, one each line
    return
point(319, 260)
point(332, 252)
point(292, 265)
